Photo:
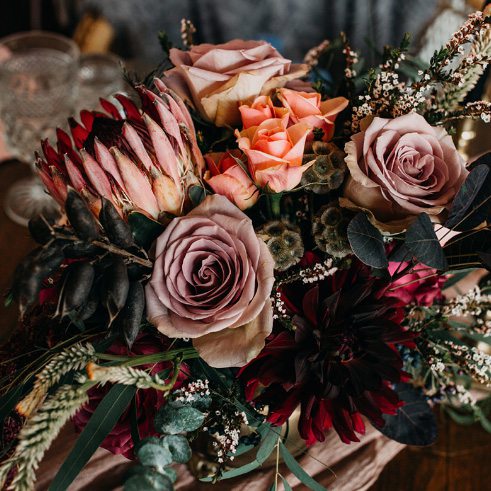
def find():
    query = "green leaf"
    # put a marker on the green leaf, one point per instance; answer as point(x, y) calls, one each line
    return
point(464, 204)
point(422, 241)
point(239, 471)
point(154, 455)
point(367, 242)
point(174, 420)
point(99, 426)
point(414, 423)
point(286, 485)
point(456, 277)
point(150, 481)
point(197, 194)
point(179, 448)
point(297, 470)
point(267, 445)
point(144, 229)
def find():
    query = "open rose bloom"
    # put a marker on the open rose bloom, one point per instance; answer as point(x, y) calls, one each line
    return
point(402, 167)
point(217, 78)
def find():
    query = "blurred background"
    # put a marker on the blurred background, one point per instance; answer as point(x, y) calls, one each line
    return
point(100, 35)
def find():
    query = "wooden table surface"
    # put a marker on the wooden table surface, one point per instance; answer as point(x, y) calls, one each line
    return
point(459, 461)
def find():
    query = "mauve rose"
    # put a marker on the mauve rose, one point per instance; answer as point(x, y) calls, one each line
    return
point(148, 401)
point(421, 287)
point(211, 282)
point(400, 168)
point(217, 78)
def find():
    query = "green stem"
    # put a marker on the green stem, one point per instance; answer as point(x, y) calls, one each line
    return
point(275, 200)
point(131, 361)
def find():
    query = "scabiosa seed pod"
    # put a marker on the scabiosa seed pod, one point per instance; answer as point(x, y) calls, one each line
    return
point(329, 169)
point(329, 230)
point(284, 243)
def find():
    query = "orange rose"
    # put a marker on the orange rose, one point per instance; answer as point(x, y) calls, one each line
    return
point(307, 107)
point(274, 152)
point(260, 110)
point(226, 177)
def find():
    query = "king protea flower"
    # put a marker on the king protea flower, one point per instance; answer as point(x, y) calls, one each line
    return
point(142, 160)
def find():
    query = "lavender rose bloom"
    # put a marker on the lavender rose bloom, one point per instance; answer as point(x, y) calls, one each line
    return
point(400, 168)
point(211, 282)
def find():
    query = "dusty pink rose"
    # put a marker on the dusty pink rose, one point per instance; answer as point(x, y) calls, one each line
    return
point(217, 78)
point(421, 287)
point(400, 168)
point(227, 177)
point(274, 151)
point(307, 107)
point(211, 282)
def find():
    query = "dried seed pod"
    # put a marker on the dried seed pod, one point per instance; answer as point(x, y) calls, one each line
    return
point(77, 286)
point(89, 308)
point(115, 287)
point(79, 249)
point(40, 229)
point(130, 317)
point(284, 242)
point(329, 230)
point(30, 273)
point(117, 230)
point(80, 217)
point(328, 171)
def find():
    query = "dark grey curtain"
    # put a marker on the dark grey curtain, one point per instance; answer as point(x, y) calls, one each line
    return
point(293, 26)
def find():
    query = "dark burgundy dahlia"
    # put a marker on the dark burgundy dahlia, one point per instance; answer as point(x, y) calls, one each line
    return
point(338, 362)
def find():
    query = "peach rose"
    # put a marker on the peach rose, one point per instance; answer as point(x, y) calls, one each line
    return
point(226, 177)
point(274, 152)
point(260, 110)
point(307, 107)
point(216, 78)
point(400, 168)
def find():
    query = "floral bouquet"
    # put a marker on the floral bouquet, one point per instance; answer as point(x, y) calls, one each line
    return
point(244, 239)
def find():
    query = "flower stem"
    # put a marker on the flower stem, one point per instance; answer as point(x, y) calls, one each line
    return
point(131, 361)
point(275, 200)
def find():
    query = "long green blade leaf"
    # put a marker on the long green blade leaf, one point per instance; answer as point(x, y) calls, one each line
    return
point(100, 424)
point(297, 470)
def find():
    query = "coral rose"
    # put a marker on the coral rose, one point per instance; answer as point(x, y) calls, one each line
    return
point(216, 78)
point(226, 177)
point(260, 110)
point(211, 282)
point(307, 107)
point(400, 168)
point(274, 152)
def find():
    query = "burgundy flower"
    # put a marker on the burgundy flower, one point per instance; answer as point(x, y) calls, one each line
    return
point(339, 360)
point(421, 287)
point(147, 402)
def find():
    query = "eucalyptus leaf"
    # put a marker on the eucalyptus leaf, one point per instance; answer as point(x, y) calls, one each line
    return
point(144, 229)
point(100, 424)
point(414, 423)
point(151, 454)
point(179, 447)
point(197, 194)
point(422, 241)
point(239, 471)
point(297, 470)
point(467, 200)
point(268, 444)
point(150, 481)
point(286, 485)
point(174, 420)
point(456, 276)
point(367, 242)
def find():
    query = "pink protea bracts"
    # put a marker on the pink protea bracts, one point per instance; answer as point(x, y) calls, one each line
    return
point(138, 159)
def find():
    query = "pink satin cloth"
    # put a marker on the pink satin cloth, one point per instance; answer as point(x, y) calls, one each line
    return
point(338, 466)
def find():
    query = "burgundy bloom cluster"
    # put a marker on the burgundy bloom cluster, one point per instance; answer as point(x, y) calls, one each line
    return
point(339, 360)
point(147, 402)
